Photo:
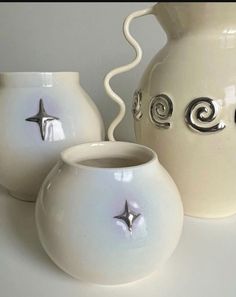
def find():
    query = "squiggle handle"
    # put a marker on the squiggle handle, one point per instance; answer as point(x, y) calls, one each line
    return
point(123, 69)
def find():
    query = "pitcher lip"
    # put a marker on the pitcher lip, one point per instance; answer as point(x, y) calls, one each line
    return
point(74, 151)
point(197, 17)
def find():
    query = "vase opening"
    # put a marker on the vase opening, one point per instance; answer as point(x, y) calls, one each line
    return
point(108, 155)
point(111, 162)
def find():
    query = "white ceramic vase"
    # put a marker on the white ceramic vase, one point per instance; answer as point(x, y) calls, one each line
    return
point(109, 213)
point(184, 106)
point(41, 114)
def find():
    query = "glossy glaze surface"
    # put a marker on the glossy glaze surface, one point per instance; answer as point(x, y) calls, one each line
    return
point(109, 225)
point(196, 70)
point(41, 114)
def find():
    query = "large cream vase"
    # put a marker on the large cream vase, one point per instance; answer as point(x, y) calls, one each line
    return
point(184, 105)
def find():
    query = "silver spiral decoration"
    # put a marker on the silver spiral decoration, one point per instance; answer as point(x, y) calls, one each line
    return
point(201, 113)
point(136, 108)
point(160, 111)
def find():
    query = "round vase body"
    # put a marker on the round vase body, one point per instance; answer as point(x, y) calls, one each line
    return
point(185, 105)
point(41, 114)
point(106, 224)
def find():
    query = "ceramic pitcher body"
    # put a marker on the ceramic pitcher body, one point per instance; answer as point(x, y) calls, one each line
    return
point(184, 106)
point(41, 114)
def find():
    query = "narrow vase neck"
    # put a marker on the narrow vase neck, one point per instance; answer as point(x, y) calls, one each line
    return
point(181, 18)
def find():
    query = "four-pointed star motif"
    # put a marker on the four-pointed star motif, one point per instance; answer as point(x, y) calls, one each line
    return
point(42, 119)
point(128, 216)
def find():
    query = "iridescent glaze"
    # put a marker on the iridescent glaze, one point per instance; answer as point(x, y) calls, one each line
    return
point(109, 225)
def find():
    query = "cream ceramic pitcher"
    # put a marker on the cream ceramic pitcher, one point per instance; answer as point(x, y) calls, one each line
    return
point(184, 106)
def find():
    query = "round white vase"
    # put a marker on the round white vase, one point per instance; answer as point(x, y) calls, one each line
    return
point(41, 114)
point(109, 213)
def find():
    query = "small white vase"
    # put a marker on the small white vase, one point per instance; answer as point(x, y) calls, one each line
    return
point(41, 114)
point(109, 213)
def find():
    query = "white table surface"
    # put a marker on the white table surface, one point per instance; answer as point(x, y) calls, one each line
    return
point(203, 265)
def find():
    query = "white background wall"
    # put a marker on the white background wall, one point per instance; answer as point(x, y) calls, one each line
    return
point(84, 37)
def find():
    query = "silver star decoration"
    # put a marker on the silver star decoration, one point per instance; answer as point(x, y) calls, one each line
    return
point(128, 216)
point(42, 118)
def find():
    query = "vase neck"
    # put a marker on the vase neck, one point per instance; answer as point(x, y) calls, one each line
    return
point(180, 18)
point(37, 79)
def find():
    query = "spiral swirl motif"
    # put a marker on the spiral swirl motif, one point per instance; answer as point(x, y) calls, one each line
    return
point(136, 108)
point(161, 109)
point(201, 113)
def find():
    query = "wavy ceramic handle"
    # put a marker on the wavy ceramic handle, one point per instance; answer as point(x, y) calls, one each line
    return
point(124, 68)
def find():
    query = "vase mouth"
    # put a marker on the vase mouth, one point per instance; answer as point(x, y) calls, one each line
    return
point(109, 155)
point(37, 79)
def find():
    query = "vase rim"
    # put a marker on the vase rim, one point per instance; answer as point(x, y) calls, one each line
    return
point(74, 155)
point(37, 79)
point(37, 72)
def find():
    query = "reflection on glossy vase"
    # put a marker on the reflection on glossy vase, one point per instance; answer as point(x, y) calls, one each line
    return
point(128, 216)
point(50, 126)
point(196, 70)
point(137, 105)
point(41, 114)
